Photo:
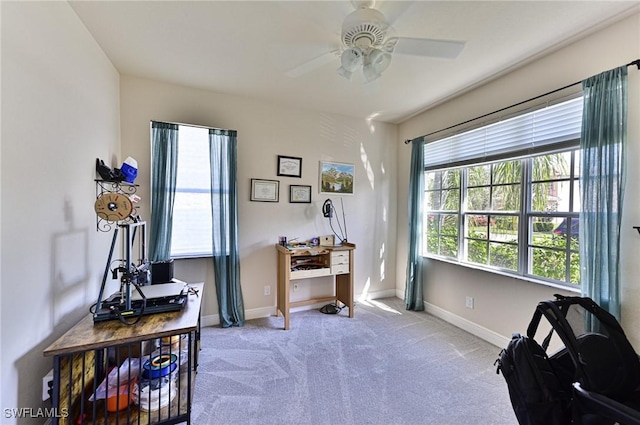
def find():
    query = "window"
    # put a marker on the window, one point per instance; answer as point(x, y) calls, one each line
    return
point(554, 217)
point(191, 230)
point(513, 206)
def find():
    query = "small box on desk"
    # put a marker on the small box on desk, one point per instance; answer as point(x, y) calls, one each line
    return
point(327, 240)
point(161, 272)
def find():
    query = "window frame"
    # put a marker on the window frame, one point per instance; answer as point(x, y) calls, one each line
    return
point(525, 244)
point(209, 227)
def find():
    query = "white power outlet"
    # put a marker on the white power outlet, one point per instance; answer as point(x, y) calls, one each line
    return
point(295, 287)
point(469, 302)
point(46, 380)
point(267, 290)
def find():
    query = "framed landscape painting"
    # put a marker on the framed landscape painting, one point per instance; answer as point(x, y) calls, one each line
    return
point(336, 178)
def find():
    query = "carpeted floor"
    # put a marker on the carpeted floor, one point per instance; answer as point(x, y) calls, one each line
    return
point(385, 366)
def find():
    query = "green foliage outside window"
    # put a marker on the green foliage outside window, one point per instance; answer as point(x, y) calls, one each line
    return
point(551, 263)
point(492, 201)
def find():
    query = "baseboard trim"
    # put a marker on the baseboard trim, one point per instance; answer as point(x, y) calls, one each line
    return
point(257, 313)
point(462, 323)
point(387, 293)
point(458, 321)
point(467, 325)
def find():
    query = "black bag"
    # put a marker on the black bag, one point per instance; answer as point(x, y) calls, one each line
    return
point(604, 359)
point(596, 353)
point(539, 386)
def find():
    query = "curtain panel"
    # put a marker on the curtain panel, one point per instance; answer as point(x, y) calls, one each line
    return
point(164, 140)
point(413, 285)
point(224, 210)
point(603, 152)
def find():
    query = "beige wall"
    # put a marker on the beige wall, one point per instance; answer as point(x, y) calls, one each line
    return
point(60, 110)
point(503, 304)
point(265, 131)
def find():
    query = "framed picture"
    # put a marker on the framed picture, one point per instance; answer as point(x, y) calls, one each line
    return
point(336, 178)
point(299, 194)
point(265, 190)
point(289, 166)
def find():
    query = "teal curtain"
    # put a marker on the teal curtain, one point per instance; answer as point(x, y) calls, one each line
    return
point(602, 178)
point(164, 140)
point(224, 210)
point(413, 285)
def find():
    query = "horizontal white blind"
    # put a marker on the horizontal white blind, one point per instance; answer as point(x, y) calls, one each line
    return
point(533, 132)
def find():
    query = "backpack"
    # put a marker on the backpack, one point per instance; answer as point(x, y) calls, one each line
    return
point(596, 354)
point(604, 360)
point(539, 386)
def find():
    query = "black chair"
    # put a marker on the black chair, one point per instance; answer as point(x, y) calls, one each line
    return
point(593, 408)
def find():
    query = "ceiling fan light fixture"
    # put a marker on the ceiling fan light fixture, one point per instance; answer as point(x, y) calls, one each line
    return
point(379, 60)
point(368, 41)
point(375, 63)
point(352, 59)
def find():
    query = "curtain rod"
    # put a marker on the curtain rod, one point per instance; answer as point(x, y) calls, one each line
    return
point(634, 63)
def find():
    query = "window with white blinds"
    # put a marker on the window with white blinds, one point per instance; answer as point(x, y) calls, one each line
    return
point(191, 230)
point(531, 133)
point(504, 197)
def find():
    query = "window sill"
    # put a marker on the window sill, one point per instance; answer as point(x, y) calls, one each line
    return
point(506, 274)
point(190, 257)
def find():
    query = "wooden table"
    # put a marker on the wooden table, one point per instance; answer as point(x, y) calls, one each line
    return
point(83, 355)
point(335, 260)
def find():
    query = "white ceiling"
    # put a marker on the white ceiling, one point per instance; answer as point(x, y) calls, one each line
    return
point(245, 48)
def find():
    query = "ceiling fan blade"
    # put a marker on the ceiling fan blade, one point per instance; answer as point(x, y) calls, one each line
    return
point(393, 10)
point(312, 65)
point(447, 49)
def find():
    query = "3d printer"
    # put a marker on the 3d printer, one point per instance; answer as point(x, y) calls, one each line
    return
point(134, 272)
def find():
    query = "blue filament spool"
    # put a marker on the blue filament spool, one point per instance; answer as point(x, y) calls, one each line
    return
point(159, 366)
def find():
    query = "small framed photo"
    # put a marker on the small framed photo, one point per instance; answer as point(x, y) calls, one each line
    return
point(336, 178)
point(299, 194)
point(289, 166)
point(265, 190)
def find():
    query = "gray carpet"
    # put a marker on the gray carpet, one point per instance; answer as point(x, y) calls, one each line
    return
point(385, 366)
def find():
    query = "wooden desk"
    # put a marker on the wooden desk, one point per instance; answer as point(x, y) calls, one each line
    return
point(333, 261)
point(83, 355)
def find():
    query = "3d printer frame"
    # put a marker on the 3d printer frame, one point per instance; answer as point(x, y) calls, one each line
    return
point(133, 271)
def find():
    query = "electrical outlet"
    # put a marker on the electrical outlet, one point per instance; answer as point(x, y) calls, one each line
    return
point(469, 302)
point(267, 290)
point(295, 287)
point(47, 384)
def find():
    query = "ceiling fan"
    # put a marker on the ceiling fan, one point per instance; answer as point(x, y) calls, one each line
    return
point(367, 43)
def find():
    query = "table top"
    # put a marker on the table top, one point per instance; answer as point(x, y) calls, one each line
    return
point(314, 250)
point(86, 335)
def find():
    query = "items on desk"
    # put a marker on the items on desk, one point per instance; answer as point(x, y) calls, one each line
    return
point(307, 263)
point(313, 242)
point(327, 240)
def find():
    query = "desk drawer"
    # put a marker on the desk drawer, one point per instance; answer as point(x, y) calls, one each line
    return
point(339, 257)
point(305, 274)
point(340, 269)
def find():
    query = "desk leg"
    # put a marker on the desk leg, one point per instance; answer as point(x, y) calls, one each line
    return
point(282, 297)
point(344, 291)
